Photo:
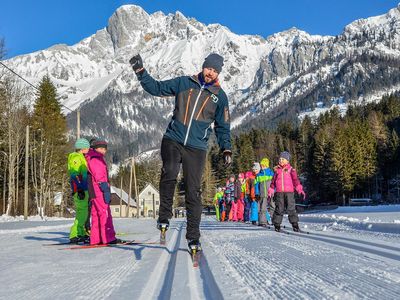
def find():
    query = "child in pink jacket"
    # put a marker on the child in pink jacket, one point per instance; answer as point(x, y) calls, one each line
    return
point(285, 182)
point(102, 230)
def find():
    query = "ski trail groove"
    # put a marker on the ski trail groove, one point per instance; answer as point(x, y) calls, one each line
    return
point(387, 247)
point(166, 289)
point(156, 278)
point(351, 245)
point(210, 286)
point(281, 268)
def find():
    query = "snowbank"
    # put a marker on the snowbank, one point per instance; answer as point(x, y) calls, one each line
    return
point(378, 208)
point(382, 218)
point(6, 218)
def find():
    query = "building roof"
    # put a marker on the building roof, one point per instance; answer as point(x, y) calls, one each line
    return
point(152, 186)
point(125, 195)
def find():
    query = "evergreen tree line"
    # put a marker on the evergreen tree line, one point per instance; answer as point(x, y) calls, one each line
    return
point(338, 157)
point(47, 146)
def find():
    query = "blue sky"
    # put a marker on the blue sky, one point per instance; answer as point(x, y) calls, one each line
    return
point(30, 25)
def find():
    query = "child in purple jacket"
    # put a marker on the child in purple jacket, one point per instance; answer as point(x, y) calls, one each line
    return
point(285, 182)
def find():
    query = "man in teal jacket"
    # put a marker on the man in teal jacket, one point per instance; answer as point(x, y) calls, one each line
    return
point(199, 102)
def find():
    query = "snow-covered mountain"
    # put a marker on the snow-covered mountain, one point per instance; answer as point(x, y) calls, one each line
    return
point(286, 73)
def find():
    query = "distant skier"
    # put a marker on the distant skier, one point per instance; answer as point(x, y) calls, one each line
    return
point(240, 190)
point(230, 196)
point(222, 206)
point(218, 195)
point(102, 230)
point(249, 195)
point(254, 204)
point(263, 181)
point(285, 182)
point(237, 193)
point(77, 170)
point(199, 102)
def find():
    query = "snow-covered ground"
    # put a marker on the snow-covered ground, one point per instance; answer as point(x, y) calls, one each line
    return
point(343, 257)
point(5, 218)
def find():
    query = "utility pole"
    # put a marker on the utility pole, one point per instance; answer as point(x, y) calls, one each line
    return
point(26, 194)
point(130, 189)
point(4, 189)
point(78, 124)
point(120, 200)
point(154, 207)
point(62, 201)
point(136, 191)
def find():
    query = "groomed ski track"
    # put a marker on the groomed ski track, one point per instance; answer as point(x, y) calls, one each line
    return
point(239, 261)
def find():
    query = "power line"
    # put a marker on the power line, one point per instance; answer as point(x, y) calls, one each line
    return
point(35, 87)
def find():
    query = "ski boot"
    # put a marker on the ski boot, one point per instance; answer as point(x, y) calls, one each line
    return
point(83, 240)
point(163, 227)
point(116, 241)
point(295, 227)
point(277, 227)
point(195, 249)
point(74, 240)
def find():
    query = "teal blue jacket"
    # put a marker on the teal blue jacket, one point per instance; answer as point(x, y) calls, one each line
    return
point(197, 106)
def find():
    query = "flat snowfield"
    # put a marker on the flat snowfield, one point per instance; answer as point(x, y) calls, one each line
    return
point(348, 254)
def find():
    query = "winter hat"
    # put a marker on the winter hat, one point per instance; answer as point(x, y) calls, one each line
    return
point(99, 144)
point(285, 155)
point(219, 189)
point(214, 61)
point(82, 144)
point(248, 174)
point(256, 167)
point(265, 162)
point(92, 140)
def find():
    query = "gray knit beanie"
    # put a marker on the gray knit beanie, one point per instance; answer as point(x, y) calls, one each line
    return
point(285, 155)
point(214, 61)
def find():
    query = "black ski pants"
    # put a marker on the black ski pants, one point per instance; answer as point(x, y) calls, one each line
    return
point(280, 200)
point(193, 160)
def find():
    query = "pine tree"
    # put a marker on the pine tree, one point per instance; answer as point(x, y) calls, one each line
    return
point(246, 153)
point(306, 141)
point(49, 128)
point(209, 183)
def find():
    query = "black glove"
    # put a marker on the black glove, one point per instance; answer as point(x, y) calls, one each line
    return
point(136, 63)
point(81, 194)
point(227, 157)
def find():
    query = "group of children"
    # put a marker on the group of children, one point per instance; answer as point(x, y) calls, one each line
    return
point(250, 197)
point(90, 186)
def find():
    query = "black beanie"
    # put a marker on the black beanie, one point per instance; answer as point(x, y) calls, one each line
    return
point(214, 61)
point(99, 144)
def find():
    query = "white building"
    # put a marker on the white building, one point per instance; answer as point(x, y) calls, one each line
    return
point(149, 200)
point(118, 207)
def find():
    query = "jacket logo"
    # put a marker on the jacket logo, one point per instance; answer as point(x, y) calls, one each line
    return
point(214, 98)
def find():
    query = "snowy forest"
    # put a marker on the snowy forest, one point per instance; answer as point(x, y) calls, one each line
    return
point(355, 155)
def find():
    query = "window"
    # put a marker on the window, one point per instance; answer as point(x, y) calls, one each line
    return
point(157, 202)
point(116, 209)
point(149, 193)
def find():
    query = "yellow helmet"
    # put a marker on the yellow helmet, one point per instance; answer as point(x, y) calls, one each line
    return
point(265, 162)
